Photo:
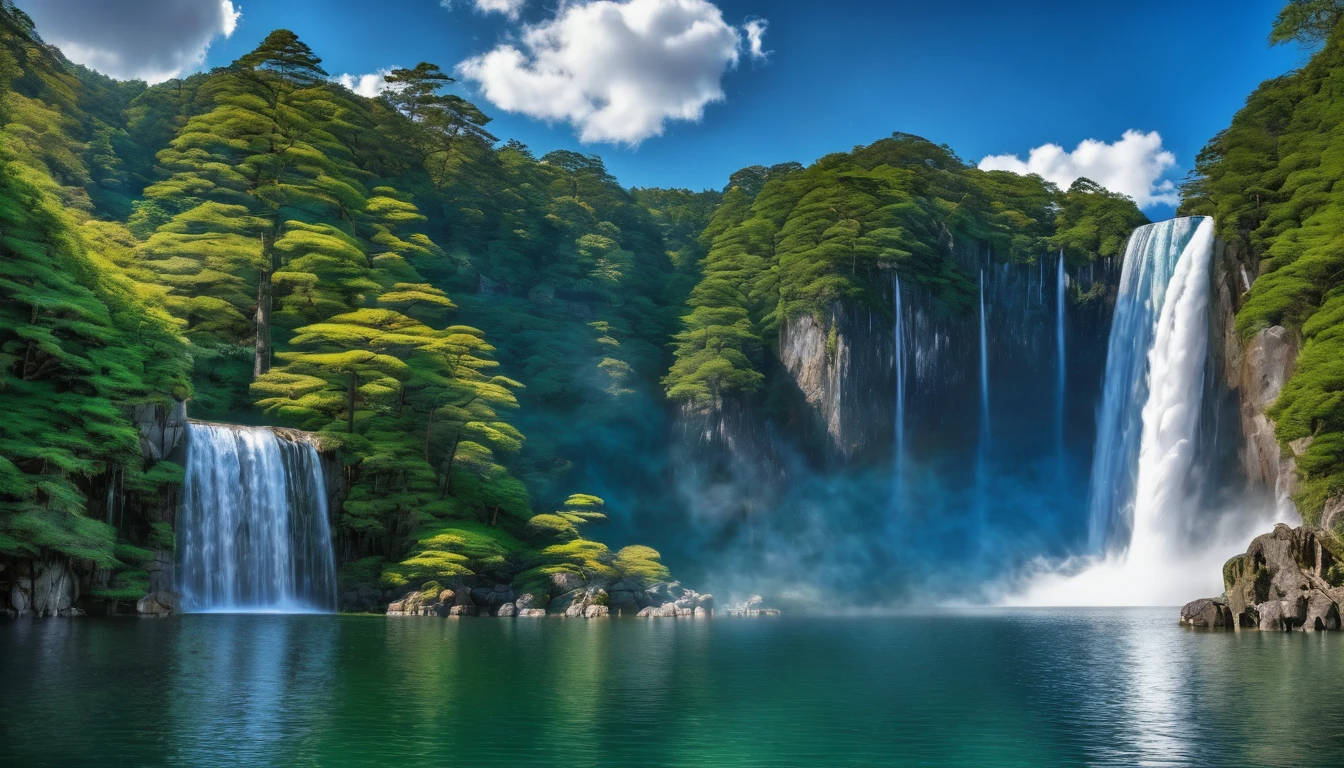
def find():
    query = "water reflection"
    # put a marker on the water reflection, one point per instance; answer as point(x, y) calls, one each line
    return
point(992, 688)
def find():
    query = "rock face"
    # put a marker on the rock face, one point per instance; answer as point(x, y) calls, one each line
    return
point(1289, 579)
point(1257, 370)
point(48, 588)
point(161, 428)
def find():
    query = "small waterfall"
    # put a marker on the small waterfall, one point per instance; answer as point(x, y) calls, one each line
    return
point(982, 453)
point(1060, 280)
point(984, 371)
point(253, 532)
point(898, 362)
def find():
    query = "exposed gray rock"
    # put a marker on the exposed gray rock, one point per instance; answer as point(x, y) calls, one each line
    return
point(1266, 364)
point(1287, 580)
point(1207, 613)
point(48, 589)
point(161, 428)
point(595, 612)
point(156, 604)
point(531, 613)
point(506, 610)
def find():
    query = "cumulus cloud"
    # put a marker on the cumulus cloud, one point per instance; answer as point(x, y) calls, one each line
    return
point(616, 70)
point(755, 29)
point(369, 85)
point(151, 40)
point(1132, 166)
point(510, 8)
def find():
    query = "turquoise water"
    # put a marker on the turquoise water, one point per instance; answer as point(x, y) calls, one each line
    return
point(999, 688)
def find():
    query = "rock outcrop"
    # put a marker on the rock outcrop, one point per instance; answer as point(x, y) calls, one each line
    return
point(46, 587)
point(1289, 579)
point(568, 594)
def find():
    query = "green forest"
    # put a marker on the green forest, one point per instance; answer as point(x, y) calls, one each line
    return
point(1271, 182)
point(475, 328)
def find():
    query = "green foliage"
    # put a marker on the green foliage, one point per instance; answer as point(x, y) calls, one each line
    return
point(1306, 22)
point(1270, 180)
point(640, 563)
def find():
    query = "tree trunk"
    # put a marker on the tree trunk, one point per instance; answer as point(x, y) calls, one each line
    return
point(494, 516)
point(263, 360)
point(350, 404)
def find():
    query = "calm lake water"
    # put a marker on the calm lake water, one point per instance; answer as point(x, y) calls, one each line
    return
point(999, 688)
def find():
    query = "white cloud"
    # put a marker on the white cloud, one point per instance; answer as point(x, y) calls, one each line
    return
point(755, 29)
point(151, 40)
point(1132, 166)
point(615, 69)
point(369, 85)
point(510, 8)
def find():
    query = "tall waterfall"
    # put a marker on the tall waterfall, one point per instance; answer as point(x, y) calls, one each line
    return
point(1155, 254)
point(984, 370)
point(1155, 543)
point(898, 363)
point(253, 532)
point(1060, 281)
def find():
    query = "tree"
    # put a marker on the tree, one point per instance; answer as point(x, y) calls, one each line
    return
point(444, 120)
point(1306, 22)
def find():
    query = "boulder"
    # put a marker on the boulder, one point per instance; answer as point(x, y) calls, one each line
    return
point(506, 610)
point(464, 610)
point(1207, 613)
point(156, 604)
point(595, 612)
point(528, 600)
point(531, 613)
point(565, 581)
point(702, 612)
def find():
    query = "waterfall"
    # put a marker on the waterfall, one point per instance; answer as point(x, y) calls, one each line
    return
point(1175, 393)
point(1156, 543)
point(898, 363)
point(1060, 279)
point(252, 531)
point(984, 373)
point(1152, 257)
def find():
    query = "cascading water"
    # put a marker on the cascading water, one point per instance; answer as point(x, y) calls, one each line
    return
point(1143, 506)
point(898, 363)
point(982, 452)
point(1151, 258)
point(1060, 280)
point(252, 531)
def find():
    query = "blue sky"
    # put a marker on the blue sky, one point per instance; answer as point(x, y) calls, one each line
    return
point(987, 78)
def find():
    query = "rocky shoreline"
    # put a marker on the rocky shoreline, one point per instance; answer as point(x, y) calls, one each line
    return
point(567, 594)
point(1289, 579)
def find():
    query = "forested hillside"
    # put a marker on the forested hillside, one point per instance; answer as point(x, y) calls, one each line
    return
point(457, 317)
point(482, 334)
point(1271, 182)
point(789, 241)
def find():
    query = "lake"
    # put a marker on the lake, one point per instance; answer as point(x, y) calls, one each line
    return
point(966, 688)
